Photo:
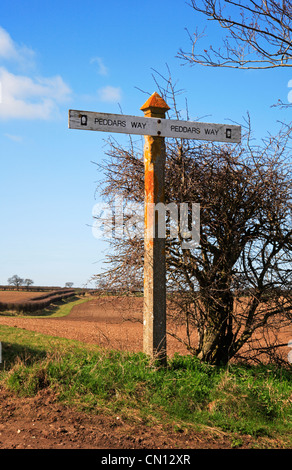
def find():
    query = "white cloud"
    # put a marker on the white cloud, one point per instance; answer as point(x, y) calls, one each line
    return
point(102, 69)
point(14, 138)
point(9, 50)
point(110, 94)
point(31, 98)
point(26, 95)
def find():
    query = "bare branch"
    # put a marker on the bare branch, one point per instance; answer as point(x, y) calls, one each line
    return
point(259, 34)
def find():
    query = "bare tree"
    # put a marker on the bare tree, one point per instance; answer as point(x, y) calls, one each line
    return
point(69, 284)
point(15, 280)
point(258, 34)
point(238, 280)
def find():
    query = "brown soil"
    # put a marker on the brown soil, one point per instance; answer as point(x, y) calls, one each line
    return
point(109, 321)
point(42, 422)
point(19, 296)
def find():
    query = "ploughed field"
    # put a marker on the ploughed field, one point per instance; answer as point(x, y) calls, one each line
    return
point(31, 301)
point(19, 296)
point(112, 322)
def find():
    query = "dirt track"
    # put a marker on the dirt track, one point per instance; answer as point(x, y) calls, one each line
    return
point(42, 422)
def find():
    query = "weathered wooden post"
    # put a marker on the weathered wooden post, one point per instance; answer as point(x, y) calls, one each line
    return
point(154, 315)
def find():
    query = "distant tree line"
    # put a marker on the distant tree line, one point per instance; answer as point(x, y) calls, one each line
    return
point(18, 281)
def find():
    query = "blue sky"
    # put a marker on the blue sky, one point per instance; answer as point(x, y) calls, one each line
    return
point(93, 55)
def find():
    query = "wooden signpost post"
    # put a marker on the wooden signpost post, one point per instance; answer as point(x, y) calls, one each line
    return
point(155, 128)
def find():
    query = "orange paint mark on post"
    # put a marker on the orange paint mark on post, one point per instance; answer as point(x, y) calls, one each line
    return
point(154, 317)
point(155, 106)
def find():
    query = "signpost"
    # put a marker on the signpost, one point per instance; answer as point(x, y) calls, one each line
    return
point(155, 128)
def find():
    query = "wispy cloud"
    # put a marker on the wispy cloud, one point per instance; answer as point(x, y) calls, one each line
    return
point(110, 94)
point(14, 138)
point(11, 51)
point(102, 69)
point(31, 98)
point(27, 95)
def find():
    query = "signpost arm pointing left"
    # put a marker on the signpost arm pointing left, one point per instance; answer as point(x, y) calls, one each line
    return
point(155, 108)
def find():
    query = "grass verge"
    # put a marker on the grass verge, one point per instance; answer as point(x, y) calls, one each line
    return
point(238, 400)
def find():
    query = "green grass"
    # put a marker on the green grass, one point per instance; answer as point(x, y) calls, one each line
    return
point(238, 400)
point(62, 309)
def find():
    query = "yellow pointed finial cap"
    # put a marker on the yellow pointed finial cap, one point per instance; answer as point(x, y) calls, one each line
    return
point(155, 105)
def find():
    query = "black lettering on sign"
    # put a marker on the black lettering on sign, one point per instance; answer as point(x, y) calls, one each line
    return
point(110, 122)
point(138, 125)
point(185, 129)
point(211, 131)
point(228, 134)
